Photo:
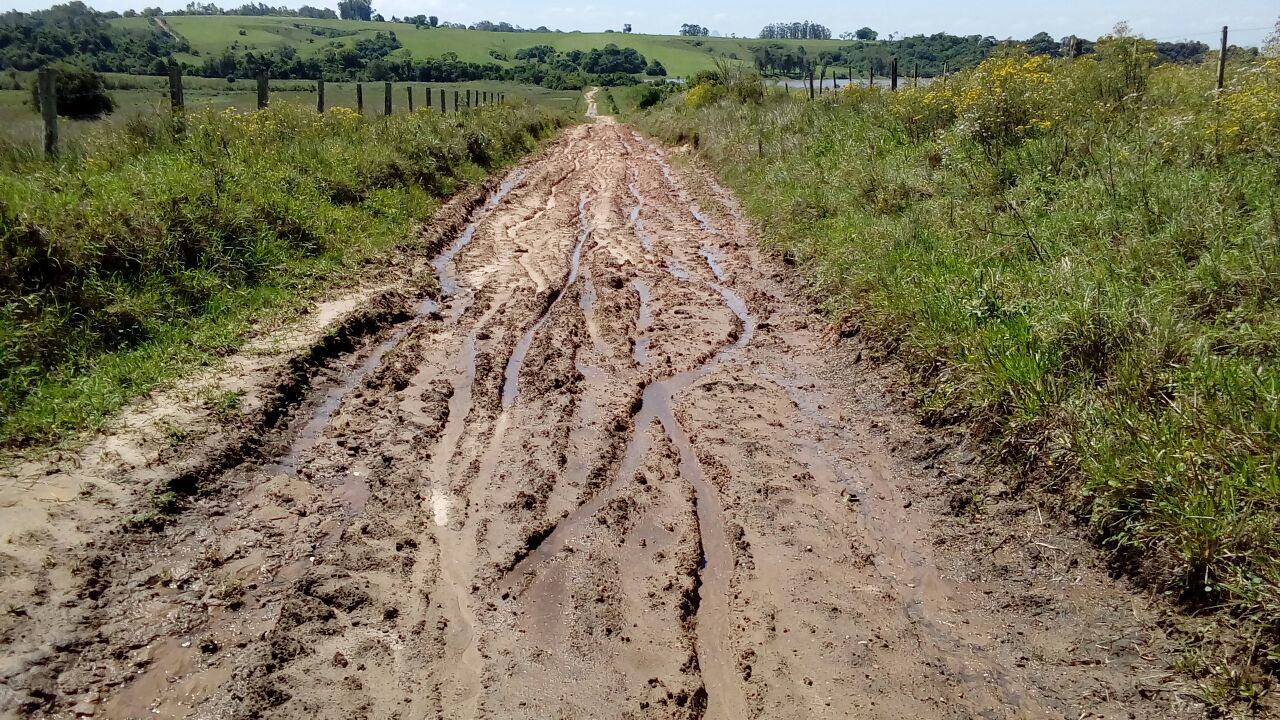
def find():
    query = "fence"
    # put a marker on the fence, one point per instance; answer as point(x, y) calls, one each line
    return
point(433, 98)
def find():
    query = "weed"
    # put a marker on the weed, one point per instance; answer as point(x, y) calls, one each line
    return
point(224, 404)
point(174, 433)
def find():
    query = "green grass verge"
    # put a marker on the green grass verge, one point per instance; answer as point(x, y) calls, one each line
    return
point(147, 251)
point(1080, 258)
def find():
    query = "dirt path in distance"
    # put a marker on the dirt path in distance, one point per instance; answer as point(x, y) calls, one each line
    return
point(617, 472)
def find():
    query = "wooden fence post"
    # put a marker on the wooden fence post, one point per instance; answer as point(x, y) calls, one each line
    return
point(409, 91)
point(915, 76)
point(360, 98)
point(456, 95)
point(48, 89)
point(176, 103)
point(320, 96)
point(893, 75)
point(263, 91)
point(468, 98)
point(386, 98)
point(1222, 60)
point(443, 101)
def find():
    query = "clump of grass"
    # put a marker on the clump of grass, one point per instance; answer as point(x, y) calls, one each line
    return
point(224, 404)
point(153, 246)
point(1082, 258)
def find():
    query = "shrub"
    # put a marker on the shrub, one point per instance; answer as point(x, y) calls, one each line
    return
point(82, 93)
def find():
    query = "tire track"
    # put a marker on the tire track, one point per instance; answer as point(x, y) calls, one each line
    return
point(601, 477)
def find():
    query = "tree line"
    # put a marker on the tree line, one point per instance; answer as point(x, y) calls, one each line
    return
point(933, 53)
point(806, 30)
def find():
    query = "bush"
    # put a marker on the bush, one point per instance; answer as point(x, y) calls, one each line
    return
point(82, 93)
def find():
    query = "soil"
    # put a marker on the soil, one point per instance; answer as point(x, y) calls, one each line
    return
point(617, 469)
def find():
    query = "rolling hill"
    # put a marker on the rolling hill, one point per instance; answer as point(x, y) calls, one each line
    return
point(682, 56)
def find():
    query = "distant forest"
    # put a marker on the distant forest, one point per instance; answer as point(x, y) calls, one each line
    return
point(77, 34)
point(932, 53)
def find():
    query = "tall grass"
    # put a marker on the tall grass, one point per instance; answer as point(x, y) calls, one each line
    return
point(151, 248)
point(1080, 257)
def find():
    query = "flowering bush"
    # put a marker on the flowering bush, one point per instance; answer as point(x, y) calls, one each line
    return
point(1249, 117)
point(1004, 100)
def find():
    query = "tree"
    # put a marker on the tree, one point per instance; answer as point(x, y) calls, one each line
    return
point(81, 93)
point(866, 33)
point(1043, 44)
point(626, 28)
point(1271, 46)
point(355, 9)
point(807, 30)
point(433, 21)
point(692, 30)
point(655, 69)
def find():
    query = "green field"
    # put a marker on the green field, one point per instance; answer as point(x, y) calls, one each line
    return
point(682, 56)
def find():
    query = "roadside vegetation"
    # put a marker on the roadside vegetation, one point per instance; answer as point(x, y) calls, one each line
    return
point(151, 246)
point(1080, 258)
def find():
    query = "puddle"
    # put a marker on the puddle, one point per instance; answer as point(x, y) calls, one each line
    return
point(676, 269)
point(643, 323)
point(459, 407)
point(714, 259)
point(586, 302)
point(511, 376)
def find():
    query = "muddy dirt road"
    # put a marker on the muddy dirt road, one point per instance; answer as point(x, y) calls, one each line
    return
point(616, 471)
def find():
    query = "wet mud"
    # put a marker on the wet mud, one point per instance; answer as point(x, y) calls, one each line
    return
point(613, 470)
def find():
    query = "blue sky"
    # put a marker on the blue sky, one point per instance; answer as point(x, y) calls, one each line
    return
point(1163, 19)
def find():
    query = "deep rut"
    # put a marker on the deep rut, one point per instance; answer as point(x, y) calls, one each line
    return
point(607, 475)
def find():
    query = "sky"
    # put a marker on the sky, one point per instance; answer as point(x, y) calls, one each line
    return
point(1251, 20)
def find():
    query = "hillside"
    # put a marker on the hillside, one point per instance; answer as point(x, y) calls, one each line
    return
point(210, 35)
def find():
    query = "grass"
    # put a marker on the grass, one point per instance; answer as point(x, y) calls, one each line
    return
point(147, 251)
point(141, 96)
point(1082, 260)
point(682, 56)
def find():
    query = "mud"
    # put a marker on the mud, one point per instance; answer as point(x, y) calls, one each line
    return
point(614, 470)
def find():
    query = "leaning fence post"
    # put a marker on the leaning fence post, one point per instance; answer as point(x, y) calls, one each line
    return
point(1222, 60)
point(320, 96)
point(360, 98)
point(409, 92)
point(48, 89)
point(263, 91)
point(175, 88)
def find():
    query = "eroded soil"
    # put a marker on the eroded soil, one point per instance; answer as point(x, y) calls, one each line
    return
point(617, 471)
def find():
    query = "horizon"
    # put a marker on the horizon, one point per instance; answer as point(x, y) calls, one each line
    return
point(1251, 21)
